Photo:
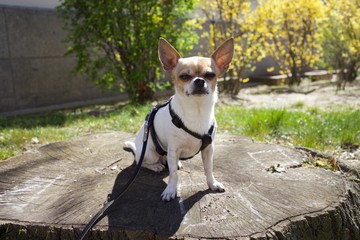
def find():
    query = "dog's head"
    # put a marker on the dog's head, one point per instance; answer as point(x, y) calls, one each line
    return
point(196, 76)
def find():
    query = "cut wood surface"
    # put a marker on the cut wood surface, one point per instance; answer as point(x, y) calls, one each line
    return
point(52, 192)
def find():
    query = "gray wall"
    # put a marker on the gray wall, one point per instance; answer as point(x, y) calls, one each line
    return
point(35, 76)
point(34, 73)
point(31, 3)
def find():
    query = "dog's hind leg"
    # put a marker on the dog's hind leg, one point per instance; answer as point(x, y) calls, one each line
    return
point(152, 160)
point(156, 167)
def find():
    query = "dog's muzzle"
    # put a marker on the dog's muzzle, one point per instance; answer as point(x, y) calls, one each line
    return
point(198, 87)
point(199, 82)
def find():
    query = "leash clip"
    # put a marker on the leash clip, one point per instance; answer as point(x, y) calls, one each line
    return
point(146, 130)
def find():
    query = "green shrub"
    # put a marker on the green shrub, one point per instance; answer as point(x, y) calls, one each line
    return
point(115, 41)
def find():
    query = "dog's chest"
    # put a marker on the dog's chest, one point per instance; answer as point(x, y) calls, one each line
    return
point(187, 145)
point(172, 138)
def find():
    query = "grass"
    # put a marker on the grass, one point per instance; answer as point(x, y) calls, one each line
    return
point(308, 127)
point(19, 133)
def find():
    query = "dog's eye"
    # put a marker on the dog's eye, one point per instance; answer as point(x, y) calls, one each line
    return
point(185, 77)
point(209, 75)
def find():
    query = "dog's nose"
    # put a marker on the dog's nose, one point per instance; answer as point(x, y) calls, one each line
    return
point(199, 82)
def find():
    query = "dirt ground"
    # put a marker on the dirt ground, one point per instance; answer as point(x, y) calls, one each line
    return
point(321, 94)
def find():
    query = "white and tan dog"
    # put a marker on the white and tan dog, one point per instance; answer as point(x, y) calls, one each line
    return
point(195, 81)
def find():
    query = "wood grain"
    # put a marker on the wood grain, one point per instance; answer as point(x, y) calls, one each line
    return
point(51, 193)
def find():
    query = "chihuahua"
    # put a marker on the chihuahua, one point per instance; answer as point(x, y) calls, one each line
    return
point(187, 122)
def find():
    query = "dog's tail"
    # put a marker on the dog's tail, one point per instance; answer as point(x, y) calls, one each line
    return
point(130, 147)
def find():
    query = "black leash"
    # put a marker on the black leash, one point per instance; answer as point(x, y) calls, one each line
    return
point(106, 208)
point(149, 127)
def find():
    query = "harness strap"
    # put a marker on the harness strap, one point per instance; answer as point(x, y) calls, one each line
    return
point(149, 127)
point(158, 147)
point(206, 139)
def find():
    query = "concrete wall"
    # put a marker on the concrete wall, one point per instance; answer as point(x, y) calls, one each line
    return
point(31, 3)
point(34, 73)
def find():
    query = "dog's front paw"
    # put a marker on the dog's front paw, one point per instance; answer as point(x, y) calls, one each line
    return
point(169, 193)
point(216, 186)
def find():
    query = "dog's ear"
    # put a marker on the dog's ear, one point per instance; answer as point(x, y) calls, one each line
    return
point(168, 55)
point(223, 55)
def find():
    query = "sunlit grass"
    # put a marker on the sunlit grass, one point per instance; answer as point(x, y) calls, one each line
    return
point(309, 127)
point(18, 133)
point(300, 126)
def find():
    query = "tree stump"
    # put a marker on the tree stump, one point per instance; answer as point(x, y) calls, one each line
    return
point(52, 192)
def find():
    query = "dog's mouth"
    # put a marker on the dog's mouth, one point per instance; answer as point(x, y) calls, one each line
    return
point(198, 92)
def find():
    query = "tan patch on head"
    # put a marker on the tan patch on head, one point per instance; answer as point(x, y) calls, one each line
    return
point(207, 65)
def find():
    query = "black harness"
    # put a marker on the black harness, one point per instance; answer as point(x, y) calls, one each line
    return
point(148, 127)
point(206, 139)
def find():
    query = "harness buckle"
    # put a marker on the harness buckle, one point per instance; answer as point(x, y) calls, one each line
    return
point(146, 130)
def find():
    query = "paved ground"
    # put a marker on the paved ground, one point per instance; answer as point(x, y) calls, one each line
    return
point(310, 94)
